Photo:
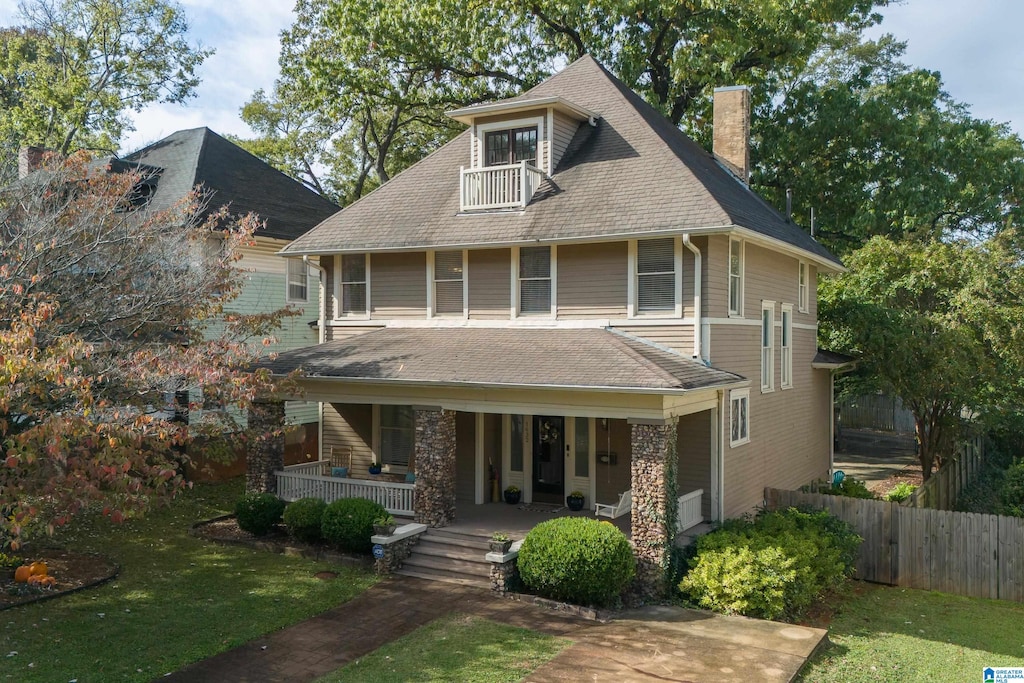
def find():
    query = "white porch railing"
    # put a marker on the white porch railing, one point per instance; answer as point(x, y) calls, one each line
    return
point(498, 187)
point(689, 509)
point(396, 498)
point(315, 467)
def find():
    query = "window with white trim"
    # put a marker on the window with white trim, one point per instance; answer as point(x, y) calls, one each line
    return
point(397, 435)
point(449, 280)
point(656, 276)
point(786, 350)
point(297, 278)
point(354, 292)
point(739, 417)
point(802, 290)
point(535, 280)
point(767, 346)
point(735, 277)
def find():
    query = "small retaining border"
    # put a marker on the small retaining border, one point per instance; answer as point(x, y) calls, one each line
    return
point(115, 570)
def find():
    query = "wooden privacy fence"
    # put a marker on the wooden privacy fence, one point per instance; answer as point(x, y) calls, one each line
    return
point(943, 488)
point(980, 556)
point(876, 411)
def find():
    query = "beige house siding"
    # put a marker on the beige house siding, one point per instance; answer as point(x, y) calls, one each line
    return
point(465, 457)
point(693, 447)
point(349, 425)
point(612, 479)
point(398, 285)
point(676, 337)
point(592, 280)
point(490, 288)
point(563, 131)
point(716, 267)
point(339, 333)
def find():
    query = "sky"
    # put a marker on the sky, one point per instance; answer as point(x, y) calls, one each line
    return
point(973, 43)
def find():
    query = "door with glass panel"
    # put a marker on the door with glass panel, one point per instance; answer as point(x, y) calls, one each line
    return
point(549, 455)
point(505, 147)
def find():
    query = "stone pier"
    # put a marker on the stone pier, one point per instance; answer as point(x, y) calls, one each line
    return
point(435, 466)
point(653, 470)
point(265, 454)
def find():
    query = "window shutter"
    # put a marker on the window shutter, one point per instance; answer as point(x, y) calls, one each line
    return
point(448, 282)
point(656, 276)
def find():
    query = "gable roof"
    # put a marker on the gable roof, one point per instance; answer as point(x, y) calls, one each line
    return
point(632, 174)
point(575, 359)
point(201, 157)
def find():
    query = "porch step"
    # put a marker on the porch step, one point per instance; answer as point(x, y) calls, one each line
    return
point(457, 538)
point(449, 556)
point(418, 561)
point(453, 552)
point(446, 577)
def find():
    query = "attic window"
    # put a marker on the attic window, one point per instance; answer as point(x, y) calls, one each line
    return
point(511, 146)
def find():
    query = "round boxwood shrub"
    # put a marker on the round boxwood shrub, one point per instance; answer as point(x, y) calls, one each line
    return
point(304, 518)
point(257, 513)
point(577, 559)
point(348, 523)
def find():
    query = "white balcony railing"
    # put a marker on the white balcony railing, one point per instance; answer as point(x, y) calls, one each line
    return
point(498, 187)
point(689, 510)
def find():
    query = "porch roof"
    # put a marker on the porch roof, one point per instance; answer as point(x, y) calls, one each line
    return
point(598, 359)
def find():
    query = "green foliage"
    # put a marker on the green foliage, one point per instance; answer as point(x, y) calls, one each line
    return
point(849, 487)
point(304, 517)
point(772, 566)
point(900, 492)
point(1012, 491)
point(10, 560)
point(577, 559)
point(348, 523)
point(257, 513)
point(984, 494)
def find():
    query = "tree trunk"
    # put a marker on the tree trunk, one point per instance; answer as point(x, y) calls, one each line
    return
point(925, 452)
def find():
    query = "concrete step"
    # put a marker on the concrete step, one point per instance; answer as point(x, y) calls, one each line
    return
point(456, 552)
point(447, 564)
point(446, 577)
point(456, 538)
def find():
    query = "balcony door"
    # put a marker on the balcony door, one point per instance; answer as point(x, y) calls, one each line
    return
point(549, 459)
point(511, 146)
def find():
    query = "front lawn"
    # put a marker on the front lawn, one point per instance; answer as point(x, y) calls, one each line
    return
point(454, 648)
point(883, 633)
point(178, 599)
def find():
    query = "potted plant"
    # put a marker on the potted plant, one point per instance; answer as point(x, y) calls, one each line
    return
point(375, 468)
point(574, 501)
point(512, 495)
point(500, 542)
point(384, 525)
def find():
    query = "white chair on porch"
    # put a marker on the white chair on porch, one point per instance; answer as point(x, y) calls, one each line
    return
point(617, 510)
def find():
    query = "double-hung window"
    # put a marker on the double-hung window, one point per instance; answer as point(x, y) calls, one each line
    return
point(298, 281)
point(353, 281)
point(767, 346)
point(739, 417)
point(397, 435)
point(735, 277)
point(449, 282)
point(656, 275)
point(535, 280)
point(786, 380)
point(802, 290)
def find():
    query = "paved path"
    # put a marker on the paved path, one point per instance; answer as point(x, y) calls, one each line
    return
point(873, 456)
point(647, 644)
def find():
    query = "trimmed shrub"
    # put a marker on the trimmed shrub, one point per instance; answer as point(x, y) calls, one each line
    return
point(900, 492)
point(578, 560)
point(348, 523)
point(772, 566)
point(304, 518)
point(257, 513)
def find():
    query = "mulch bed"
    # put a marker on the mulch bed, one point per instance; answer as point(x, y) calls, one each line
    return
point(73, 572)
point(910, 475)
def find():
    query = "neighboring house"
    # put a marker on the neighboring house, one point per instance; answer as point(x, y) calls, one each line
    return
point(229, 175)
point(521, 305)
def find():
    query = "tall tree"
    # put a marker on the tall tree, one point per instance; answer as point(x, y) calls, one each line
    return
point(106, 309)
point(68, 78)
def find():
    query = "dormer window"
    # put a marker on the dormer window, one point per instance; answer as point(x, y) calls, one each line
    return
point(510, 146)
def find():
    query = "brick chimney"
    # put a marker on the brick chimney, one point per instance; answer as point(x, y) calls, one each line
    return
point(732, 129)
point(29, 160)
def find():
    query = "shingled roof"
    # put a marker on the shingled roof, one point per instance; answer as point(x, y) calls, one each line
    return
point(634, 173)
point(233, 176)
point(572, 358)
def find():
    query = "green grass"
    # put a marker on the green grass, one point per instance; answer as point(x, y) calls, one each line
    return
point(898, 634)
point(454, 648)
point(177, 599)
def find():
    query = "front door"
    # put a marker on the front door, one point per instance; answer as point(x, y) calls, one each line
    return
point(548, 459)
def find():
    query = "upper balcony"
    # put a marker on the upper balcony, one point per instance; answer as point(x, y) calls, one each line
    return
point(509, 186)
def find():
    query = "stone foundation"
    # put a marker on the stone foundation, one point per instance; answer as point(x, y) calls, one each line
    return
point(265, 454)
point(654, 450)
point(397, 547)
point(435, 467)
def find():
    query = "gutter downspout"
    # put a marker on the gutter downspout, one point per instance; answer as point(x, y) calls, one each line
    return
point(698, 330)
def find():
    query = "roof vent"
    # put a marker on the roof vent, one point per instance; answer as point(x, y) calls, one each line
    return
point(732, 129)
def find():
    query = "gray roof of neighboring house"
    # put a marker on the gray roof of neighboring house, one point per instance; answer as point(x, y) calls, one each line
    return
point(578, 358)
point(233, 176)
point(633, 173)
point(831, 359)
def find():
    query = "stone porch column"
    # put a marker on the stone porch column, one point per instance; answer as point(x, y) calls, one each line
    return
point(435, 466)
point(653, 471)
point(265, 454)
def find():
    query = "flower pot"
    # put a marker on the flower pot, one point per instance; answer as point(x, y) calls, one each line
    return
point(512, 497)
point(384, 529)
point(574, 503)
point(500, 546)
point(375, 469)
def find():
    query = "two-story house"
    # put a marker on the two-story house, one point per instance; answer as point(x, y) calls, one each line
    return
point(572, 295)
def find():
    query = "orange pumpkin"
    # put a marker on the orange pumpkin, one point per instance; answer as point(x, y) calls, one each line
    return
point(22, 573)
point(49, 581)
point(38, 569)
point(34, 579)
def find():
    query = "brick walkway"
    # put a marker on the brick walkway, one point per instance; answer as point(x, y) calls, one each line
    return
point(650, 644)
